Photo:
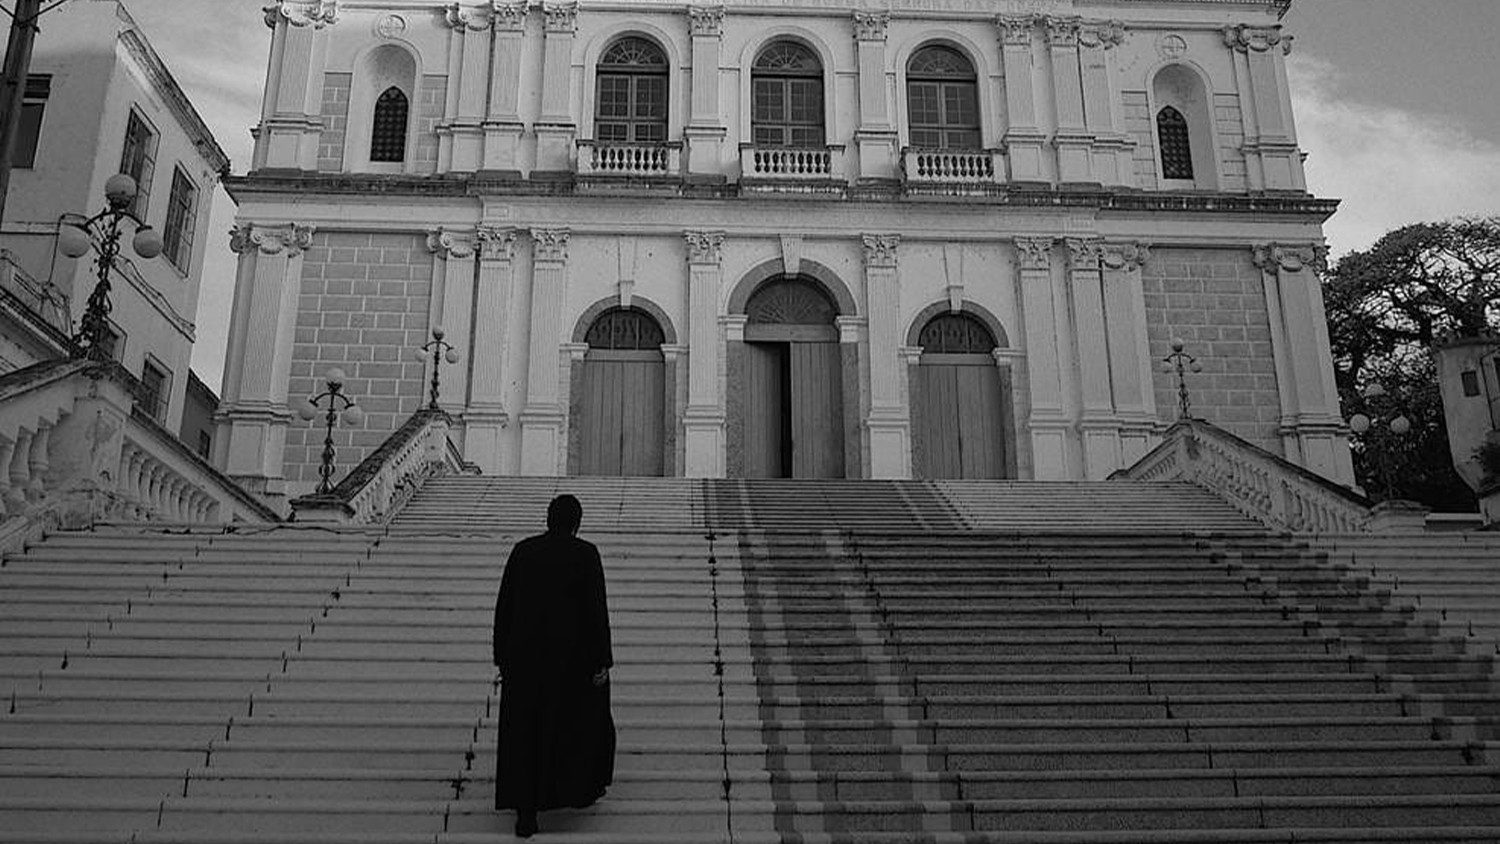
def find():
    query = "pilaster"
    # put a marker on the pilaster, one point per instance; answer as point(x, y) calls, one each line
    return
point(1271, 148)
point(889, 418)
point(453, 308)
point(556, 131)
point(461, 143)
point(486, 416)
point(1099, 426)
point(705, 132)
point(1048, 422)
point(1023, 139)
point(502, 120)
point(290, 124)
point(876, 137)
point(703, 419)
point(1131, 367)
point(1112, 148)
point(543, 419)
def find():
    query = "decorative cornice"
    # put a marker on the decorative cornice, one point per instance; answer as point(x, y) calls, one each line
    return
point(508, 17)
point(314, 13)
point(1105, 34)
point(1015, 30)
point(468, 18)
point(550, 244)
point(1246, 38)
point(704, 247)
point(1128, 257)
point(496, 243)
point(450, 243)
point(1061, 31)
point(1034, 253)
point(1280, 257)
point(707, 21)
point(561, 17)
point(871, 26)
point(880, 250)
point(1084, 253)
point(291, 238)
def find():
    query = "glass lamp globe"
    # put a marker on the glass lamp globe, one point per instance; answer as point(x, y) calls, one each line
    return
point(1359, 423)
point(1178, 344)
point(307, 411)
point(1166, 366)
point(73, 241)
point(1196, 367)
point(335, 377)
point(1400, 425)
point(354, 415)
point(120, 189)
point(451, 356)
point(147, 243)
point(437, 332)
point(420, 354)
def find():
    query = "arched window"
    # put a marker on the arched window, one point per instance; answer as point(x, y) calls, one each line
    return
point(388, 131)
point(625, 330)
point(790, 301)
point(942, 100)
point(956, 334)
point(632, 93)
point(1176, 144)
point(787, 97)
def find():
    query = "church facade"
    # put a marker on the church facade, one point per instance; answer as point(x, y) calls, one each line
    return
point(779, 238)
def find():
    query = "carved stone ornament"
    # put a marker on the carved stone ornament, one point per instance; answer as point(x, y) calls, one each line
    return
point(1105, 34)
point(1171, 46)
point(871, 26)
point(1084, 252)
point(706, 21)
point(1034, 253)
point(291, 238)
point(390, 26)
point(314, 13)
point(450, 244)
point(1279, 258)
point(880, 249)
point(496, 243)
point(561, 17)
point(509, 17)
point(1061, 31)
point(1015, 30)
point(704, 247)
point(1259, 39)
point(550, 244)
point(1128, 257)
point(468, 18)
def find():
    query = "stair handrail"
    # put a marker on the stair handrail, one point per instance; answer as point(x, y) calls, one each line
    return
point(1260, 484)
point(381, 484)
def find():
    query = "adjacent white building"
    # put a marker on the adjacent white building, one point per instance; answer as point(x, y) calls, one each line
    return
point(100, 101)
point(786, 238)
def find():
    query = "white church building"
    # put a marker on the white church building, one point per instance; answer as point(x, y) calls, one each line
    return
point(779, 238)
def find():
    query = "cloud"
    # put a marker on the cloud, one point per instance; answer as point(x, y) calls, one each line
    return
point(1391, 167)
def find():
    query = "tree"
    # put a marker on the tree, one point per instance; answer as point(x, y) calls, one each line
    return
point(1386, 307)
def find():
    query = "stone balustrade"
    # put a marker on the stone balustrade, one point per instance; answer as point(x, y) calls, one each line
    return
point(383, 481)
point(597, 158)
point(942, 167)
point(791, 163)
point(1262, 485)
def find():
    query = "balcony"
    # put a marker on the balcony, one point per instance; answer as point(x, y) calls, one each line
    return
point(782, 169)
point(953, 170)
point(639, 161)
point(42, 300)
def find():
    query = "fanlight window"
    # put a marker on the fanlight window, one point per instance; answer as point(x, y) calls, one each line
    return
point(632, 93)
point(788, 301)
point(1176, 145)
point(625, 329)
point(388, 134)
point(956, 334)
point(787, 97)
point(942, 98)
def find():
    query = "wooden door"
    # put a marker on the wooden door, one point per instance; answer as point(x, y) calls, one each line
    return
point(765, 403)
point(960, 417)
point(622, 428)
point(817, 411)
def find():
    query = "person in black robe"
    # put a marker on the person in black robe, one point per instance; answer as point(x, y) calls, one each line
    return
point(557, 738)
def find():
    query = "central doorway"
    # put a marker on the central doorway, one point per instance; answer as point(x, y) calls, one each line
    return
point(793, 401)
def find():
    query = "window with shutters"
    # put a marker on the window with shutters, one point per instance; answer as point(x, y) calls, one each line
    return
point(388, 132)
point(787, 97)
point(29, 132)
point(632, 93)
point(139, 159)
point(154, 383)
point(1176, 144)
point(182, 209)
point(942, 100)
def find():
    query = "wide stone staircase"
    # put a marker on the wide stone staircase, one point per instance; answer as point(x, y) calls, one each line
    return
point(795, 662)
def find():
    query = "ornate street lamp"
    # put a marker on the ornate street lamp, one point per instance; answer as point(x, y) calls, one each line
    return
point(1377, 438)
point(1181, 362)
point(440, 351)
point(101, 232)
point(336, 401)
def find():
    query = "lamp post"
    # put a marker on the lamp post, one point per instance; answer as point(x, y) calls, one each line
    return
point(337, 401)
point(1181, 362)
point(439, 350)
point(101, 232)
point(1377, 438)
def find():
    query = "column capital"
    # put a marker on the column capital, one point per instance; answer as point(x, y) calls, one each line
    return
point(1034, 253)
point(496, 243)
point(1062, 30)
point(1105, 34)
point(451, 243)
point(550, 244)
point(704, 247)
point(561, 17)
point(1277, 258)
point(706, 21)
point(1245, 38)
point(1128, 257)
point(871, 26)
point(314, 13)
point(290, 238)
point(1084, 252)
point(465, 18)
point(880, 250)
point(508, 17)
point(1015, 30)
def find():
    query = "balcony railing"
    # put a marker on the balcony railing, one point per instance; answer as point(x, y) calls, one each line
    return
point(792, 163)
point(596, 158)
point(952, 167)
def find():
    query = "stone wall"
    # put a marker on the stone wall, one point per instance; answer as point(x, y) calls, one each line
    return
point(1138, 126)
point(1214, 300)
point(335, 121)
point(1229, 127)
point(363, 308)
point(431, 101)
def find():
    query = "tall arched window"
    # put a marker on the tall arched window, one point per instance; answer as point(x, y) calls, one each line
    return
point(388, 131)
point(1176, 144)
point(942, 100)
point(632, 93)
point(956, 334)
point(625, 330)
point(787, 97)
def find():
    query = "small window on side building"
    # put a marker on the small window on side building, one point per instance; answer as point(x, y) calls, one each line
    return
point(29, 133)
point(154, 381)
point(1471, 383)
point(139, 159)
point(182, 208)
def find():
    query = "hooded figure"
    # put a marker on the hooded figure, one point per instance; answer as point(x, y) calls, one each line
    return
point(557, 739)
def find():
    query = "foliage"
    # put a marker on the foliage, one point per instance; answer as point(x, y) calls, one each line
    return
point(1386, 307)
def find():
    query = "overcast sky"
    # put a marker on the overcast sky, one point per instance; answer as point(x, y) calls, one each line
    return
point(1396, 106)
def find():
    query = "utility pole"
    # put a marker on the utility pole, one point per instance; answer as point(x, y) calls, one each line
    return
point(13, 86)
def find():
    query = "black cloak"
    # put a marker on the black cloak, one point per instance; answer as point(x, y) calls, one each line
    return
point(557, 739)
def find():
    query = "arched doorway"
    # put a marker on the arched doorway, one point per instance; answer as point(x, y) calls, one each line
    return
point(793, 384)
point(960, 403)
point(621, 407)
